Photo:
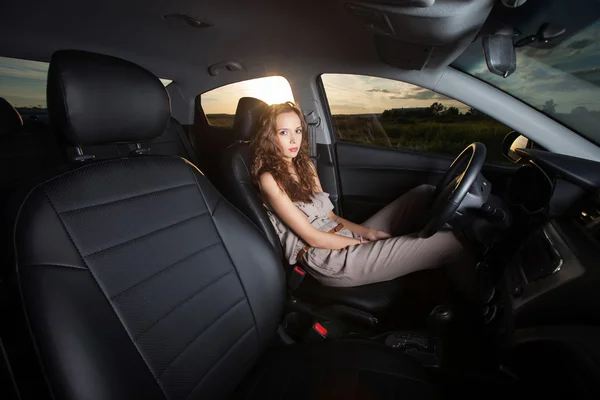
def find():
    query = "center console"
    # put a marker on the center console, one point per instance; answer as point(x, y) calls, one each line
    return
point(537, 281)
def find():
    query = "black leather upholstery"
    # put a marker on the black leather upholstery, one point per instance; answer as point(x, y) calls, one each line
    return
point(119, 302)
point(336, 371)
point(171, 142)
point(235, 181)
point(95, 99)
point(236, 185)
point(375, 298)
point(247, 114)
point(10, 119)
point(139, 281)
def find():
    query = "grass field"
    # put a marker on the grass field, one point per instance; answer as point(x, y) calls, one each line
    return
point(220, 120)
point(438, 134)
point(442, 136)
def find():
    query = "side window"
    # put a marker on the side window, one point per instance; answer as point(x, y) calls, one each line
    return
point(23, 85)
point(388, 113)
point(219, 104)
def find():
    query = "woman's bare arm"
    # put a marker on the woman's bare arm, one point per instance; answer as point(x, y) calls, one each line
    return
point(287, 211)
point(363, 231)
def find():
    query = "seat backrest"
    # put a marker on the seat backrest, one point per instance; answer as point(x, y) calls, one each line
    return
point(139, 281)
point(235, 181)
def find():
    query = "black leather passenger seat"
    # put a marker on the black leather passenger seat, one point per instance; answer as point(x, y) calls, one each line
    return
point(140, 281)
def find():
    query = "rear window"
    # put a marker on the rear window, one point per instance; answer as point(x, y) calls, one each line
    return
point(219, 104)
point(23, 84)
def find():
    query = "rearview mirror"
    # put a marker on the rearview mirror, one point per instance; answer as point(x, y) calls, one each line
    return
point(512, 141)
point(499, 52)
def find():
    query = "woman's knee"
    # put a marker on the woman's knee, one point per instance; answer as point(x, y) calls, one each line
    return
point(425, 188)
point(424, 192)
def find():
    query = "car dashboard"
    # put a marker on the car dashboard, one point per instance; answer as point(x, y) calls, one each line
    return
point(545, 271)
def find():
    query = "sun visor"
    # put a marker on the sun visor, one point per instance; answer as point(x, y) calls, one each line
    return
point(418, 34)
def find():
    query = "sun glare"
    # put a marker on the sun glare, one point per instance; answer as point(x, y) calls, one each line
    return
point(271, 90)
point(223, 100)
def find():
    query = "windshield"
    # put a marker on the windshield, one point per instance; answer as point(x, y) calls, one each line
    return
point(561, 80)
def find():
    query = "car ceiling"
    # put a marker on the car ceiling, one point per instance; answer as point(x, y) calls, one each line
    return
point(266, 36)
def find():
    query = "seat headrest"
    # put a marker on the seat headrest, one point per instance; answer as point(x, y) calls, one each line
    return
point(247, 114)
point(10, 119)
point(96, 99)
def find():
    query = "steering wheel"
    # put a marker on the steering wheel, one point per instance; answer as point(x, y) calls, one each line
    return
point(453, 187)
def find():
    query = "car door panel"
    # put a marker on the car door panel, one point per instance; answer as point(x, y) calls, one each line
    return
point(371, 177)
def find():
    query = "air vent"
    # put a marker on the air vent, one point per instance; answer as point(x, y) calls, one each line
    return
point(590, 215)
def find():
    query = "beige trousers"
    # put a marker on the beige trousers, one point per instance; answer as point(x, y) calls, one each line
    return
point(404, 253)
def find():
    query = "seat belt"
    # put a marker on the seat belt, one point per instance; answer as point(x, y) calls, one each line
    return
point(185, 141)
point(313, 121)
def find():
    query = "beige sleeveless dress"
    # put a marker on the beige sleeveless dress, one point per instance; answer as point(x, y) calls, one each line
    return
point(371, 262)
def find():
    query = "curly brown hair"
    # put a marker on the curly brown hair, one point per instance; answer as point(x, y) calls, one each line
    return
point(267, 157)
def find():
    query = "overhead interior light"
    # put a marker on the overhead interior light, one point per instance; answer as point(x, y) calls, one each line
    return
point(188, 20)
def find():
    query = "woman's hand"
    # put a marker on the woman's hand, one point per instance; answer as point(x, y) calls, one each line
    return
point(372, 235)
point(367, 234)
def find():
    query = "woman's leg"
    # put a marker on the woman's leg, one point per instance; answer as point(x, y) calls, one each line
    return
point(404, 253)
point(388, 259)
point(403, 215)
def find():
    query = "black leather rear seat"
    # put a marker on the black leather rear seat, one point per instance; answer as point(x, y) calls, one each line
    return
point(25, 150)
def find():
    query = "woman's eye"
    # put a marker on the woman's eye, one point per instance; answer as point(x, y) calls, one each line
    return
point(283, 132)
point(299, 131)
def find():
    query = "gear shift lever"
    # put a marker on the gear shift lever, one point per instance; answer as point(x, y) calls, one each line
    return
point(439, 321)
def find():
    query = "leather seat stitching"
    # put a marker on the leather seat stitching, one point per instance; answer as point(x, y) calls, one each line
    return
point(127, 198)
point(95, 279)
point(182, 302)
point(201, 333)
point(146, 234)
point(164, 269)
point(225, 247)
point(220, 358)
point(54, 265)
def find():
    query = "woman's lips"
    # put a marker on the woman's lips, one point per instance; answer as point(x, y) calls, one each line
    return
point(293, 149)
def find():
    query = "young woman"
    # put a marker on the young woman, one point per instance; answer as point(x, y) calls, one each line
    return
point(338, 252)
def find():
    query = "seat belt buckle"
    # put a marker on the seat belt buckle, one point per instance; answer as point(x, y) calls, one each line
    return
point(295, 278)
point(317, 333)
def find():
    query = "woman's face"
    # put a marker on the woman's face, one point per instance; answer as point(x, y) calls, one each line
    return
point(288, 134)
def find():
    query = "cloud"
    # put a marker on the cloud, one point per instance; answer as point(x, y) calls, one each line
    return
point(381, 91)
point(11, 72)
point(580, 44)
point(539, 73)
point(421, 94)
point(348, 107)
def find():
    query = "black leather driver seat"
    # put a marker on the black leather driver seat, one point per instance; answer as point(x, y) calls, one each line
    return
point(139, 281)
point(236, 185)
